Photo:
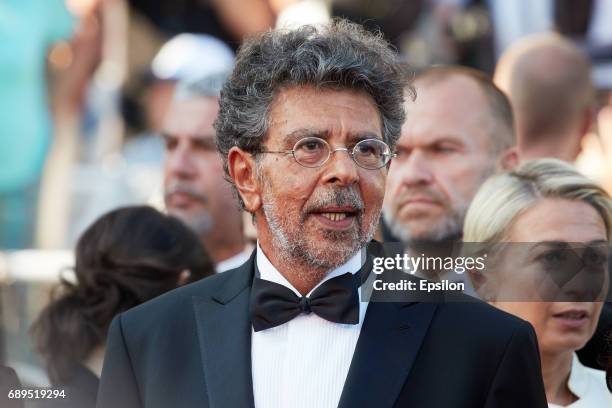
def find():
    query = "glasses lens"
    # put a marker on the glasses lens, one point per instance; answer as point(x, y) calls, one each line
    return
point(311, 151)
point(371, 153)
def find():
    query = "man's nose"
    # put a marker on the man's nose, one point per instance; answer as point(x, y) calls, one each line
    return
point(415, 169)
point(180, 162)
point(341, 169)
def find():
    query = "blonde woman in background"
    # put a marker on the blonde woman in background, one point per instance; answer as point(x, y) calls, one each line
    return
point(546, 230)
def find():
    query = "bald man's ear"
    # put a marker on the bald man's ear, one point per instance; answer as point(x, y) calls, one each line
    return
point(242, 170)
point(508, 159)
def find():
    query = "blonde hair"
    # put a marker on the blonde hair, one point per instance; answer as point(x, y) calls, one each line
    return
point(504, 196)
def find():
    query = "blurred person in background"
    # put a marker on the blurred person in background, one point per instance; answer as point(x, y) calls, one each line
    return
point(548, 81)
point(229, 20)
point(427, 32)
point(458, 131)
point(549, 218)
point(128, 256)
point(184, 57)
point(604, 124)
point(27, 30)
point(585, 21)
point(194, 186)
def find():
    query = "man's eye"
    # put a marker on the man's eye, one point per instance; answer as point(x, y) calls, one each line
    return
point(443, 149)
point(311, 146)
point(367, 150)
point(206, 146)
point(170, 144)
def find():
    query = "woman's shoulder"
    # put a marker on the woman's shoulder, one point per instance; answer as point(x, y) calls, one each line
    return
point(598, 379)
point(589, 385)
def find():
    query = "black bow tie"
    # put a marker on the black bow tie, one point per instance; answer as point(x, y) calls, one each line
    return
point(336, 300)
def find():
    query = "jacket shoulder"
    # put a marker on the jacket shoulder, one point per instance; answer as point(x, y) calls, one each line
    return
point(481, 320)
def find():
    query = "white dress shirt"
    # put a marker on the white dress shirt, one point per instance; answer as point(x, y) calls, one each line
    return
point(588, 385)
point(304, 362)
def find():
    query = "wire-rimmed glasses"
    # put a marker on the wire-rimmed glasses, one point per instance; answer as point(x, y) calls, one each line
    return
point(369, 154)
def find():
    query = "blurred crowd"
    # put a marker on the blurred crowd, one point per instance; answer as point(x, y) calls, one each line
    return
point(108, 107)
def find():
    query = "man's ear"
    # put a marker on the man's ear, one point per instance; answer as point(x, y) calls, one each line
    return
point(241, 166)
point(509, 158)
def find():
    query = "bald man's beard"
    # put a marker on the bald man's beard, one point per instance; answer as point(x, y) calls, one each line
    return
point(201, 223)
point(448, 228)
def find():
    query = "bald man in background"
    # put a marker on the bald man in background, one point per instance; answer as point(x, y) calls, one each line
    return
point(548, 81)
point(458, 132)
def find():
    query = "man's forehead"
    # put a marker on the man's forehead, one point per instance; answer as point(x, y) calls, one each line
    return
point(327, 134)
point(453, 108)
point(421, 139)
point(194, 116)
point(192, 137)
point(455, 93)
point(306, 111)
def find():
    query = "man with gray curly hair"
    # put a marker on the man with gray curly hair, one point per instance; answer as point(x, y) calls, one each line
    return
point(307, 125)
point(287, 108)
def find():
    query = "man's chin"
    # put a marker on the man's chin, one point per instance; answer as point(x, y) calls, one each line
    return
point(181, 214)
point(423, 230)
point(420, 228)
point(331, 254)
point(342, 239)
point(199, 221)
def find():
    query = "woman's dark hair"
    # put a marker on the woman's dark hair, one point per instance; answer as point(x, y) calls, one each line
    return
point(126, 257)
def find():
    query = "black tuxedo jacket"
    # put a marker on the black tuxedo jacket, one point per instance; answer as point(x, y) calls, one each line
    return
point(192, 348)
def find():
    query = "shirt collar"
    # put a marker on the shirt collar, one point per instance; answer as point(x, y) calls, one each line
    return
point(268, 272)
point(578, 382)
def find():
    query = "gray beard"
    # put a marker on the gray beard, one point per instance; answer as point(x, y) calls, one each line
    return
point(292, 247)
point(200, 223)
point(446, 229)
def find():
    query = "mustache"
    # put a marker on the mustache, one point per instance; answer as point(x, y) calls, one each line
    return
point(177, 187)
point(337, 197)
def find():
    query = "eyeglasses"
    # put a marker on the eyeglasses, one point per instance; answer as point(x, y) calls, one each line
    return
point(369, 154)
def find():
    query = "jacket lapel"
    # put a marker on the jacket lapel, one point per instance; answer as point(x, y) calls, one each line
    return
point(388, 345)
point(224, 333)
